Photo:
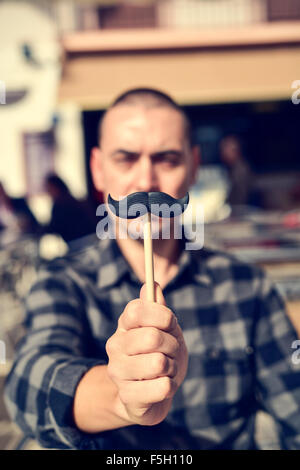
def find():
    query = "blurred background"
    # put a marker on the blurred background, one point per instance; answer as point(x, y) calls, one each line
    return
point(234, 65)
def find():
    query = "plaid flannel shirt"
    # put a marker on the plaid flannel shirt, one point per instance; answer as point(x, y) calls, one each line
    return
point(237, 333)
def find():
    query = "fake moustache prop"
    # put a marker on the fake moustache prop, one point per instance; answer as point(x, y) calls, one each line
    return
point(148, 203)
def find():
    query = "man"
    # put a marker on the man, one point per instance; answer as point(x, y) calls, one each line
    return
point(103, 368)
point(15, 216)
point(240, 174)
point(71, 218)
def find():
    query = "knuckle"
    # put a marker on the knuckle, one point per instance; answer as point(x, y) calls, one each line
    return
point(166, 387)
point(153, 338)
point(160, 363)
point(131, 311)
point(124, 395)
point(112, 370)
point(168, 319)
point(110, 346)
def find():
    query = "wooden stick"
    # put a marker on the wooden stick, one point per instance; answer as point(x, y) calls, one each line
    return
point(149, 271)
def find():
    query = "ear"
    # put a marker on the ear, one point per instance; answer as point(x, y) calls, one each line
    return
point(196, 160)
point(96, 168)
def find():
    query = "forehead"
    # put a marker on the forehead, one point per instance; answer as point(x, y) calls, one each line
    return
point(131, 124)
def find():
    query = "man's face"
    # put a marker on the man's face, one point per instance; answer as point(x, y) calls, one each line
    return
point(143, 150)
point(230, 150)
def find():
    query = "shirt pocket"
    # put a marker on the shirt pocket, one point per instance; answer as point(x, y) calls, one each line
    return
point(217, 389)
point(218, 375)
point(227, 374)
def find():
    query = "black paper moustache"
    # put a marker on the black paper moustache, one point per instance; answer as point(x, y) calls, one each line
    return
point(148, 202)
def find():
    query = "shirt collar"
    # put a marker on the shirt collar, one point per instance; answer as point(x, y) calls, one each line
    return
point(113, 266)
point(192, 263)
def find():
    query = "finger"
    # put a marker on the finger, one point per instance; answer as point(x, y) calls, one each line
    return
point(147, 392)
point(147, 340)
point(139, 313)
point(143, 367)
point(159, 296)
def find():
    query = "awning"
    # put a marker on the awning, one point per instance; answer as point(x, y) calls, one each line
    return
point(251, 64)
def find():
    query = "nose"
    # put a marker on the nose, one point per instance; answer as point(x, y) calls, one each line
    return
point(146, 179)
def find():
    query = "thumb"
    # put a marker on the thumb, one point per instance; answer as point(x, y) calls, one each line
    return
point(159, 296)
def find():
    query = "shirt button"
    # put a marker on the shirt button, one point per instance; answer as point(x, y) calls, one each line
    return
point(248, 349)
point(214, 353)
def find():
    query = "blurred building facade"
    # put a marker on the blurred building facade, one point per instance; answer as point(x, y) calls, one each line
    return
point(63, 61)
point(116, 14)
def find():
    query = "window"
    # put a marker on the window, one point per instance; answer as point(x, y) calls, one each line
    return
point(127, 16)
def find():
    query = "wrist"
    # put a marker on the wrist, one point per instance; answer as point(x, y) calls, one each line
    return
point(145, 416)
point(120, 411)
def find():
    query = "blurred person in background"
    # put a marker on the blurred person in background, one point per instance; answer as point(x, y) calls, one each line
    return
point(240, 174)
point(103, 368)
point(16, 219)
point(70, 218)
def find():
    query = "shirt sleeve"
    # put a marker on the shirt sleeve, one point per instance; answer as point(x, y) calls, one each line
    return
point(277, 368)
point(49, 363)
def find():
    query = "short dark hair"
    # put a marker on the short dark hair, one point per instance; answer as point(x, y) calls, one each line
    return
point(54, 180)
point(148, 97)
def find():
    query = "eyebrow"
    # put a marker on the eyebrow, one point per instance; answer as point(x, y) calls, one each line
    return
point(161, 153)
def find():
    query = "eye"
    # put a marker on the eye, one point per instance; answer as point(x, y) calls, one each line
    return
point(170, 159)
point(126, 158)
point(130, 158)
